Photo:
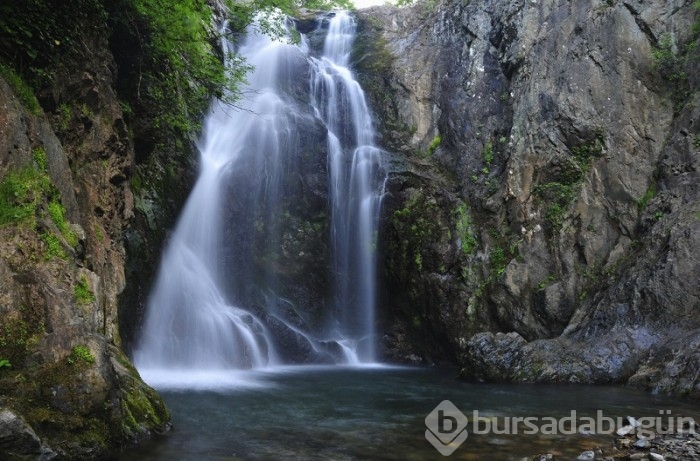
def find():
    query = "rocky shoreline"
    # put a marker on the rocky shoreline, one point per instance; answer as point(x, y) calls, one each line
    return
point(632, 444)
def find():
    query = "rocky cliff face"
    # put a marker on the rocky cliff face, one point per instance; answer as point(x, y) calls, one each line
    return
point(543, 212)
point(66, 202)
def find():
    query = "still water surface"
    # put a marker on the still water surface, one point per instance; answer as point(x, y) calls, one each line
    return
point(370, 413)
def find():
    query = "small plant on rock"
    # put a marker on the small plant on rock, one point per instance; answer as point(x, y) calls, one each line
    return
point(81, 353)
point(83, 293)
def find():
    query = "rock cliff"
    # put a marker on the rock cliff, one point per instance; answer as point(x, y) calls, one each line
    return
point(543, 213)
point(66, 388)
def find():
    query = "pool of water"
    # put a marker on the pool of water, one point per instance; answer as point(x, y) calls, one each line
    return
point(377, 413)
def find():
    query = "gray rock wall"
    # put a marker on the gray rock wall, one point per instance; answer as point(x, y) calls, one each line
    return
point(560, 141)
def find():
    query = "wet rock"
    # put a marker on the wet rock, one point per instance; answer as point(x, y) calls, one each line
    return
point(632, 422)
point(642, 443)
point(491, 354)
point(586, 456)
point(18, 440)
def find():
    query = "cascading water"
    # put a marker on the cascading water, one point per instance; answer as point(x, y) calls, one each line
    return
point(356, 187)
point(215, 304)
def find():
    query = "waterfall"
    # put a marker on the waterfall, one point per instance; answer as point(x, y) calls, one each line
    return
point(216, 303)
point(356, 187)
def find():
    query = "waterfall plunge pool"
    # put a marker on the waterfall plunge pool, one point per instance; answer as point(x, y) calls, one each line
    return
point(373, 413)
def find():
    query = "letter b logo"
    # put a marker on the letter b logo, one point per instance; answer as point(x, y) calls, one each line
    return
point(446, 428)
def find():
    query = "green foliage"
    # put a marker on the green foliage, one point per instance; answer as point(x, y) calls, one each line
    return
point(99, 233)
point(81, 354)
point(85, 111)
point(23, 196)
point(21, 193)
point(488, 153)
point(465, 233)
point(434, 144)
point(4, 363)
point(643, 201)
point(41, 35)
point(674, 61)
point(83, 293)
point(585, 152)
point(39, 155)
point(416, 229)
point(558, 196)
point(57, 214)
point(547, 281)
point(181, 69)
point(23, 91)
point(53, 246)
point(664, 57)
point(19, 334)
point(418, 260)
point(65, 114)
point(498, 257)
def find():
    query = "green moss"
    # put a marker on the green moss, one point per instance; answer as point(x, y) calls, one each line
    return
point(53, 246)
point(416, 229)
point(497, 257)
point(585, 152)
point(547, 281)
point(57, 214)
point(643, 201)
point(99, 233)
point(21, 192)
point(488, 153)
point(141, 410)
point(79, 433)
point(23, 91)
point(65, 115)
point(558, 196)
point(39, 155)
point(434, 145)
point(83, 293)
point(19, 334)
point(674, 62)
point(464, 231)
